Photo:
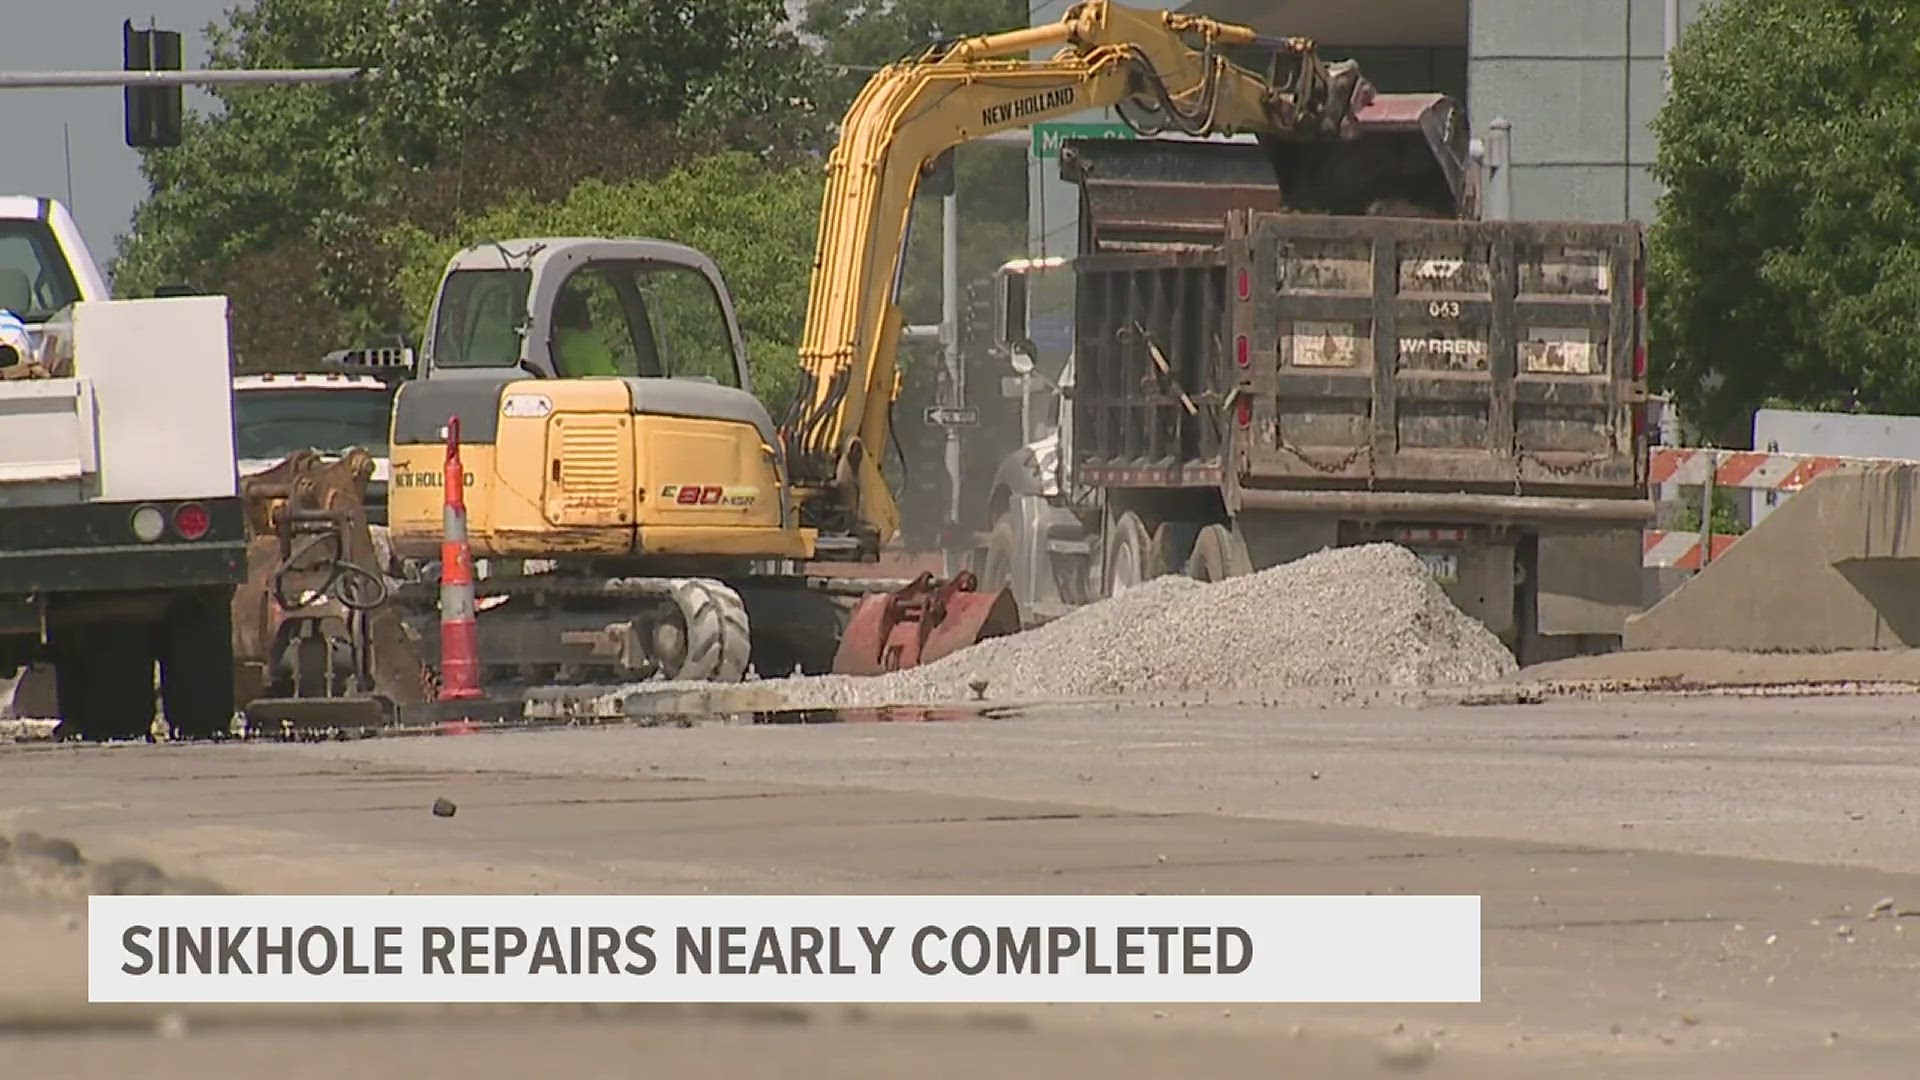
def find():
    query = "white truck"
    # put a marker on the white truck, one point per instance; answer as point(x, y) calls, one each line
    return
point(277, 414)
point(122, 537)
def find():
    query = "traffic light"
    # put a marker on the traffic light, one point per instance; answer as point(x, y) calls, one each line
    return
point(154, 113)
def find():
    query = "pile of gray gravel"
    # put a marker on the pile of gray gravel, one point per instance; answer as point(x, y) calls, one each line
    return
point(1358, 617)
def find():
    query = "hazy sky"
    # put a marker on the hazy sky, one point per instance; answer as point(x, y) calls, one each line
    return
point(85, 34)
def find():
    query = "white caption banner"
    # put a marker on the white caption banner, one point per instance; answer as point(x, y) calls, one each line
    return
point(786, 949)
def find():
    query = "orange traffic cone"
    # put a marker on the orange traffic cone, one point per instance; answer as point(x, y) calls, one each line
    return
point(459, 633)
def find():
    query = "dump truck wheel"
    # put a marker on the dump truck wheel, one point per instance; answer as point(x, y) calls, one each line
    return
point(196, 666)
point(34, 696)
point(718, 642)
point(1173, 545)
point(1130, 555)
point(103, 676)
point(1218, 554)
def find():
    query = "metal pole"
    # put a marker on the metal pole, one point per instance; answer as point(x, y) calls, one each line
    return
point(1026, 408)
point(66, 148)
point(1706, 510)
point(32, 80)
point(1672, 40)
point(1500, 170)
point(950, 338)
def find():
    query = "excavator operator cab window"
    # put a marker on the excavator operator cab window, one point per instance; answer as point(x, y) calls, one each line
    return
point(592, 331)
point(642, 318)
point(482, 315)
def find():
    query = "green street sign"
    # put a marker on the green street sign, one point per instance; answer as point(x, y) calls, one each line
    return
point(1048, 137)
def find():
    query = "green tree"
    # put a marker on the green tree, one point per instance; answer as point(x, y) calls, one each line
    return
point(859, 36)
point(991, 179)
point(754, 219)
point(282, 200)
point(1786, 256)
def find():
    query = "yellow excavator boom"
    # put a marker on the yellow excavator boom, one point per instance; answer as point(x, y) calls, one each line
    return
point(912, 112)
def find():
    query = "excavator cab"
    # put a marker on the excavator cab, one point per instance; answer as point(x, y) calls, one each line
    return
point(606, 409)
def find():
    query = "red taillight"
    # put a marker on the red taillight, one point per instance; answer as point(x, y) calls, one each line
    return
point(1243, 285)
point(191, 521)
point(1240, 354)
point(1244, 412)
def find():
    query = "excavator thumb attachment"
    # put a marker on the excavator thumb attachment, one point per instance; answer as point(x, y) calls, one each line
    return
point(317, 639)
point(923, 622)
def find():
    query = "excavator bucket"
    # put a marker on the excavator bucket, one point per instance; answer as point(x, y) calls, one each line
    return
point(923, 622)
point(1400, 155)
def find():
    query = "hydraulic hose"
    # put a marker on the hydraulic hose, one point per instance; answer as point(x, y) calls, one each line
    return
point(353, 585)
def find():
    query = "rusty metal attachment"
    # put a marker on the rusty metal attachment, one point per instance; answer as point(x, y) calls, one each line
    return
point(923, 622)
point(315, 638)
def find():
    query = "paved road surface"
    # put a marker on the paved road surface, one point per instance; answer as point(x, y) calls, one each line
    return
point(1674, 887)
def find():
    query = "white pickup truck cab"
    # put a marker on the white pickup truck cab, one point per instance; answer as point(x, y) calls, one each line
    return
point(278, 415)
point(122, 536)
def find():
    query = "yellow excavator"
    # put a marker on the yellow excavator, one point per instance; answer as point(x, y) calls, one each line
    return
point(638, 511)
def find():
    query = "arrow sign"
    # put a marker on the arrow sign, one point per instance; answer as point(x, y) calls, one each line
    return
point(940, 416)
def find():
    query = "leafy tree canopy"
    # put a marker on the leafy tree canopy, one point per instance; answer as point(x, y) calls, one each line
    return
point(1786, 257)
point(317, 208)
point(283, 192)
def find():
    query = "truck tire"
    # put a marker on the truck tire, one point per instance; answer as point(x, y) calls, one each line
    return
point(103, 679)
point(196, 666)
point(1173, 545)
point(35, 696)
point(1218, 554)
point(1130, 555)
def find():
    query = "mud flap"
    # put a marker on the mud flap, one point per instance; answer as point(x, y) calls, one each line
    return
point(921, 623)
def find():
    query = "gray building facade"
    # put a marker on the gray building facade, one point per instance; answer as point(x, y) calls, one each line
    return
point(1580, 81)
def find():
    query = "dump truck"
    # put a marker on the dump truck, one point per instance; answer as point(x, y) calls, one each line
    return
point(1254, 371)
point(122, 540)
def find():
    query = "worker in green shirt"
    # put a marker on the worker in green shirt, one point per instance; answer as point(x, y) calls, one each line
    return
point(578, 351)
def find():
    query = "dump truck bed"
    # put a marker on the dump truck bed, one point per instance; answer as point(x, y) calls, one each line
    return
point(1320, 353)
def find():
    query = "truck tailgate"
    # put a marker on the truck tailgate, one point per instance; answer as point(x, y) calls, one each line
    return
point(1427, 355)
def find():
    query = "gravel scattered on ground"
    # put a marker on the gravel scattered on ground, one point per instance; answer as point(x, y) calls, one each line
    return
point(1370, 616)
